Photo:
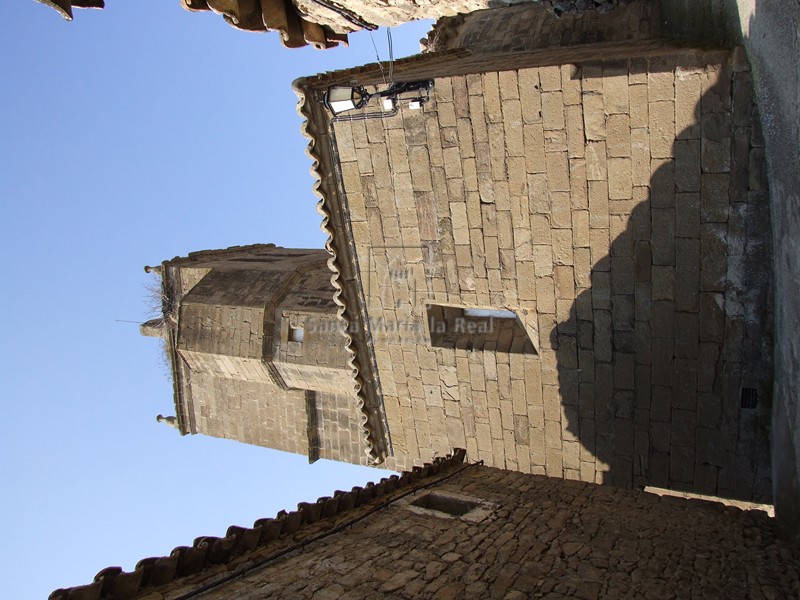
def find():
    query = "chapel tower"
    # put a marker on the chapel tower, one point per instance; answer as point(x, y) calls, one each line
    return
point(257, 350)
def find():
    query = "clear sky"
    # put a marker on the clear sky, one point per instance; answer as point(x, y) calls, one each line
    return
point(129, 136)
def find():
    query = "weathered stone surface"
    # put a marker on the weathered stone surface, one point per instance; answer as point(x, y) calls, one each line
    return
point(234, 385)
point(602, 224)
point(539, 535)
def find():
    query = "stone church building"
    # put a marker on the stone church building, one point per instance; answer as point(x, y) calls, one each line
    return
point(454, 529)
point(556, 264)
point(256, 351)
point(553, 261)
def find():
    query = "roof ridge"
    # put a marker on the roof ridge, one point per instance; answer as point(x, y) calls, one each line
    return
point(209, 551)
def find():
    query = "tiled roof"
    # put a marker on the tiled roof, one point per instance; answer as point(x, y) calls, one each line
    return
point(241, 543)
point(272, 15)
point(64, 7)
point(319, 148)
point(254, 15)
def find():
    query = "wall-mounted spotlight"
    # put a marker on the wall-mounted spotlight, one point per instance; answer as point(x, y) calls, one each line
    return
point(345, 99)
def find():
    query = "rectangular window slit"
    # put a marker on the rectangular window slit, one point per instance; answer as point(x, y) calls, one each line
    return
point(296, 334)
point(489, 313)
point(749, 397)
point(476, 329)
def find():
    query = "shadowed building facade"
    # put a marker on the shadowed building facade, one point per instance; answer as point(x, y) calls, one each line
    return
point(602, 187)
point(557, 264)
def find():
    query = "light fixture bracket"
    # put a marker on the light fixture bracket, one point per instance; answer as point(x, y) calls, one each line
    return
point(340, 100)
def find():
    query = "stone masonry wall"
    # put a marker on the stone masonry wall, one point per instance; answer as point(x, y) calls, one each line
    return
point(620, 202)
point(264, 415)
point(191, 276)
point(311, 305)
point(538, 537)
point(313, 291)
point(532, 26)
point(249, 412)
point(339, 422)
point(229, 388)
point(319, 361)
point(221, 324)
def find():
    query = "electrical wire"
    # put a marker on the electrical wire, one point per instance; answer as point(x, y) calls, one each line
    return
point(390, 44)
point(378, 58)
point(391, 54)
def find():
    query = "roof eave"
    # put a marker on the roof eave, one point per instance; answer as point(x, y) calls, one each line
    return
point(348, 295)
point(182, 411)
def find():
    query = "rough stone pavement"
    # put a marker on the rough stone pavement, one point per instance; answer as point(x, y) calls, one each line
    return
point(544, 538)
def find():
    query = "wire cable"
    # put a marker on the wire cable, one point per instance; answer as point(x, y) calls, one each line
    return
point(391, 54)
point(378, 58)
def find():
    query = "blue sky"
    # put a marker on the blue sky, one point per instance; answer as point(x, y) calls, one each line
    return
point(128, 136)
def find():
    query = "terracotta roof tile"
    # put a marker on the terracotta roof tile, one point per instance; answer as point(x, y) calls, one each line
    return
point(208, 551)
point(64, 7)
point(253, 15)
point(373, 435)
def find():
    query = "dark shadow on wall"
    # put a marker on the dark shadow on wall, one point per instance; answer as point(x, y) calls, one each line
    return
point(772, 40)
point(659, 359)
point(772, 43)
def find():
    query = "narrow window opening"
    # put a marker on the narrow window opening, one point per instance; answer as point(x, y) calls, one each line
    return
point(471, 329)
point(456, 507)
point(749, 397)
point(296, 333)
point(489, 313)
